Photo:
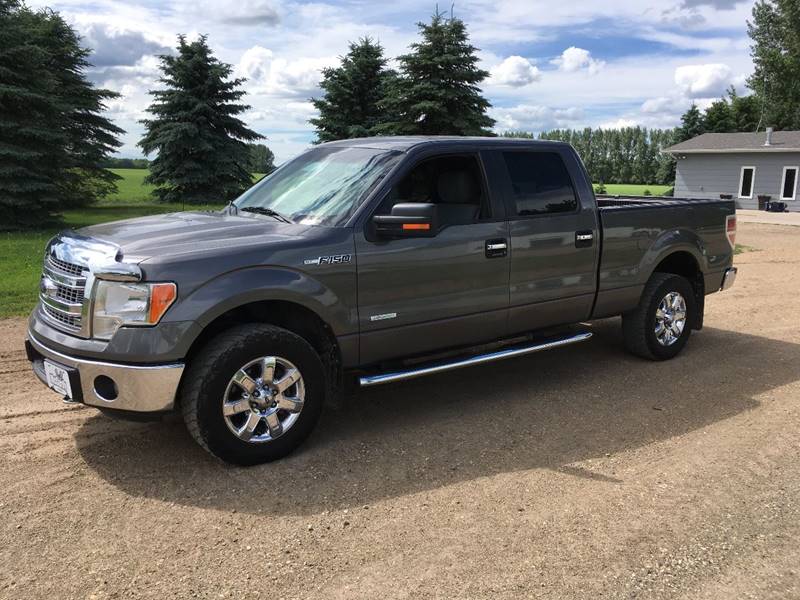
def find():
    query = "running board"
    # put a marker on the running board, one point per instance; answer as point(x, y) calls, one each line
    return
point(370, 380)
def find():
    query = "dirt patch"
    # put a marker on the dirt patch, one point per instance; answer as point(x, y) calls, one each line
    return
point(583, 472)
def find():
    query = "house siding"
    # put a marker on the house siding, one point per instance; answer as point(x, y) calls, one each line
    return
point(709, 175)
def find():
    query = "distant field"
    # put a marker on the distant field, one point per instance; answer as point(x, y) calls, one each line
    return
point(133, 189)
point(629, 189)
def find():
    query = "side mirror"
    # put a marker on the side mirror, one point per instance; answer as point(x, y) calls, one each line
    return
point(408, 219)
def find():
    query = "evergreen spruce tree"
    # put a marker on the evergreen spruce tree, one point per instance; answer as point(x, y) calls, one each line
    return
point(775, 31)
point(202, 149)
point(262, 159)
point(349, 107)
point(718, 118)
point(745, 110)
point(53, 138)
point(91, 137)
point(437, 92)
point(691, 124)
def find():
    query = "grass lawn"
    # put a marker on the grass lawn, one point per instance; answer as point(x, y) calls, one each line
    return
point(628, 189)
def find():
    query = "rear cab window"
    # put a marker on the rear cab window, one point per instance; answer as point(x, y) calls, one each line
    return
point(539, 183)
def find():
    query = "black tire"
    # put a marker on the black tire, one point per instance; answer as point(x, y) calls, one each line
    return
point(207, 377)
point(638, 326)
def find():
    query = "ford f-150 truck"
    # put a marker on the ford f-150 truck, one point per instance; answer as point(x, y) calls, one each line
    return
point(383, 258)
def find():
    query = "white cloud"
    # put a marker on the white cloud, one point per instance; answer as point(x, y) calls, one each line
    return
point(528, 117)
point(515, 72)
point(575, 59)
point(619, 124)
point(658, 105)
point(697, 81)
point(268, 74)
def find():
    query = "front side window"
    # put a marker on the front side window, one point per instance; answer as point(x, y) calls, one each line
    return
point(323, 186)
point(746, 182)
point(540, 183)
point(453, 182)
point(789, 187)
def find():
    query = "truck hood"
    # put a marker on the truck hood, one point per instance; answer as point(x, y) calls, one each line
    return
point(191, 233)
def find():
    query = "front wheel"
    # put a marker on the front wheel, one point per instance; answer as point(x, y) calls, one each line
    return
point(661, 325)
point(253, 393)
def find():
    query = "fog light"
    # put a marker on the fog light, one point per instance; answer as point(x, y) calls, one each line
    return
point(105, 388)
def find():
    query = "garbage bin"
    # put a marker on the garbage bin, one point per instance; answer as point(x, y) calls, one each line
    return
point(763, 202)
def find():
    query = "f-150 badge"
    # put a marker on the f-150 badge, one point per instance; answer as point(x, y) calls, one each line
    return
point(336, 259)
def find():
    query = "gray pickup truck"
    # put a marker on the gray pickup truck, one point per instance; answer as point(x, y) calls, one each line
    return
point(383, 258)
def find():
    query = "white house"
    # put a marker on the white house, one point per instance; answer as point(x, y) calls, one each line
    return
point(751, 168)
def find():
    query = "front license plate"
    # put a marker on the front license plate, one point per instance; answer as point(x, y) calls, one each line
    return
point(58, 379)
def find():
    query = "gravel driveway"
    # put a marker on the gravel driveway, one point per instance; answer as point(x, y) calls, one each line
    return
point(583, 472)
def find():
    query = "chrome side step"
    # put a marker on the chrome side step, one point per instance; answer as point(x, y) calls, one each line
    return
point(369, 380)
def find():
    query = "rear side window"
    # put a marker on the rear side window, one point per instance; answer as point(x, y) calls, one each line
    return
point(540, 183)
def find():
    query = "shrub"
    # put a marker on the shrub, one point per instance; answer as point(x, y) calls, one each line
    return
point(600, 188)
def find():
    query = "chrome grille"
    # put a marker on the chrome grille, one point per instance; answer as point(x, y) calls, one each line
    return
point(66, 321)
point(62, 293)
point(65, 267)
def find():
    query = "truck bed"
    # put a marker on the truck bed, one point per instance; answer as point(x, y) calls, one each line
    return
point(609, 202)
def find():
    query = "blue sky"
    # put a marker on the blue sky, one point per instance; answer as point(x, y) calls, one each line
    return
point(553, 63)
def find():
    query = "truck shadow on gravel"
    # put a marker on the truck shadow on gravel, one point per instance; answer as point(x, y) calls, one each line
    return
point(544, 411)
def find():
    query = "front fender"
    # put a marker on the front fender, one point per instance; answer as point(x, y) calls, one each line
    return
point(333, 300)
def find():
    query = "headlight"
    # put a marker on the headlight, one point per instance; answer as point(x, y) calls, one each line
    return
point(118, 303)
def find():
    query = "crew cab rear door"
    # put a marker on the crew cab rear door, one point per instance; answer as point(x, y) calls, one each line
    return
point(554, 236)
point(427, 293)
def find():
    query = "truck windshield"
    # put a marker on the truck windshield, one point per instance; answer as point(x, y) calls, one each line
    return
point(323, 186)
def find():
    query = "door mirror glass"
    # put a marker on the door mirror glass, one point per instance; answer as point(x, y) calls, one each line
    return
point(408, 219)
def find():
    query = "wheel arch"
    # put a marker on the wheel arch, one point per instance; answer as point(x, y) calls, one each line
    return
point(684, 263)
point(292, 316)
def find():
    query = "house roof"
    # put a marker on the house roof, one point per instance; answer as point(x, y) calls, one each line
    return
point(717, 143)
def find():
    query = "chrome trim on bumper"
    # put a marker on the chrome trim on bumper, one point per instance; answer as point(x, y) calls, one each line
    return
point(142, 388)
point(729, 278)
point(473, 360)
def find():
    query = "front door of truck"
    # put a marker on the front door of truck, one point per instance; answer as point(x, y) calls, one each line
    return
point(554, 237)
point(450, 290)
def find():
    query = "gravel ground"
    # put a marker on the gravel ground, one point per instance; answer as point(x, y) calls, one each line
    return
point(583, 472)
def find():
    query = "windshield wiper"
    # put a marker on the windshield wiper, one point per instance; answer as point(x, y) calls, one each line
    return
point(263, 210)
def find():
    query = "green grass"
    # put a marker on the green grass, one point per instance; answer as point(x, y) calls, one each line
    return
point(629, 189)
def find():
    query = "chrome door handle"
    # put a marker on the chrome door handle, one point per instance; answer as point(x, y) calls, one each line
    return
point(496, 248)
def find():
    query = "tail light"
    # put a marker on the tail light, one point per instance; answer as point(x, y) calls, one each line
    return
point(730, 229)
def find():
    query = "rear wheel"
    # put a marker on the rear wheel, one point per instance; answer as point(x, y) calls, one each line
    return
point(661, 325)
point(253, 394)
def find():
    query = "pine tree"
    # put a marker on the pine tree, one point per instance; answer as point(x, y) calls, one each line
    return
point(202, 146)
point(349, 107)
point(719, 118)
point(746, 111)
point(91, 137)
point(53, 138)
point(437, 92)
point(691, 124)
point(775, 31)
point(262, 159)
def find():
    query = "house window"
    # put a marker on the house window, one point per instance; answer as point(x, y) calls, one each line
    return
point(789, 184)
point(746, 181)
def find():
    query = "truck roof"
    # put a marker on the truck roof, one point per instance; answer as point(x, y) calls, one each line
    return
point(405, 143)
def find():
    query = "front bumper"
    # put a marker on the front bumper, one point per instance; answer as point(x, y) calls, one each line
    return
point(137, 388)
point(728, 278)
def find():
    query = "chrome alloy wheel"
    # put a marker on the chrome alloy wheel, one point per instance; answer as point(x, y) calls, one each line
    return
point(670, 319)
point(263, 399)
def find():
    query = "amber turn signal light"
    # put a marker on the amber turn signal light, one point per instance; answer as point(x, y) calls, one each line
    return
point(417, 226)
point(162, 295)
